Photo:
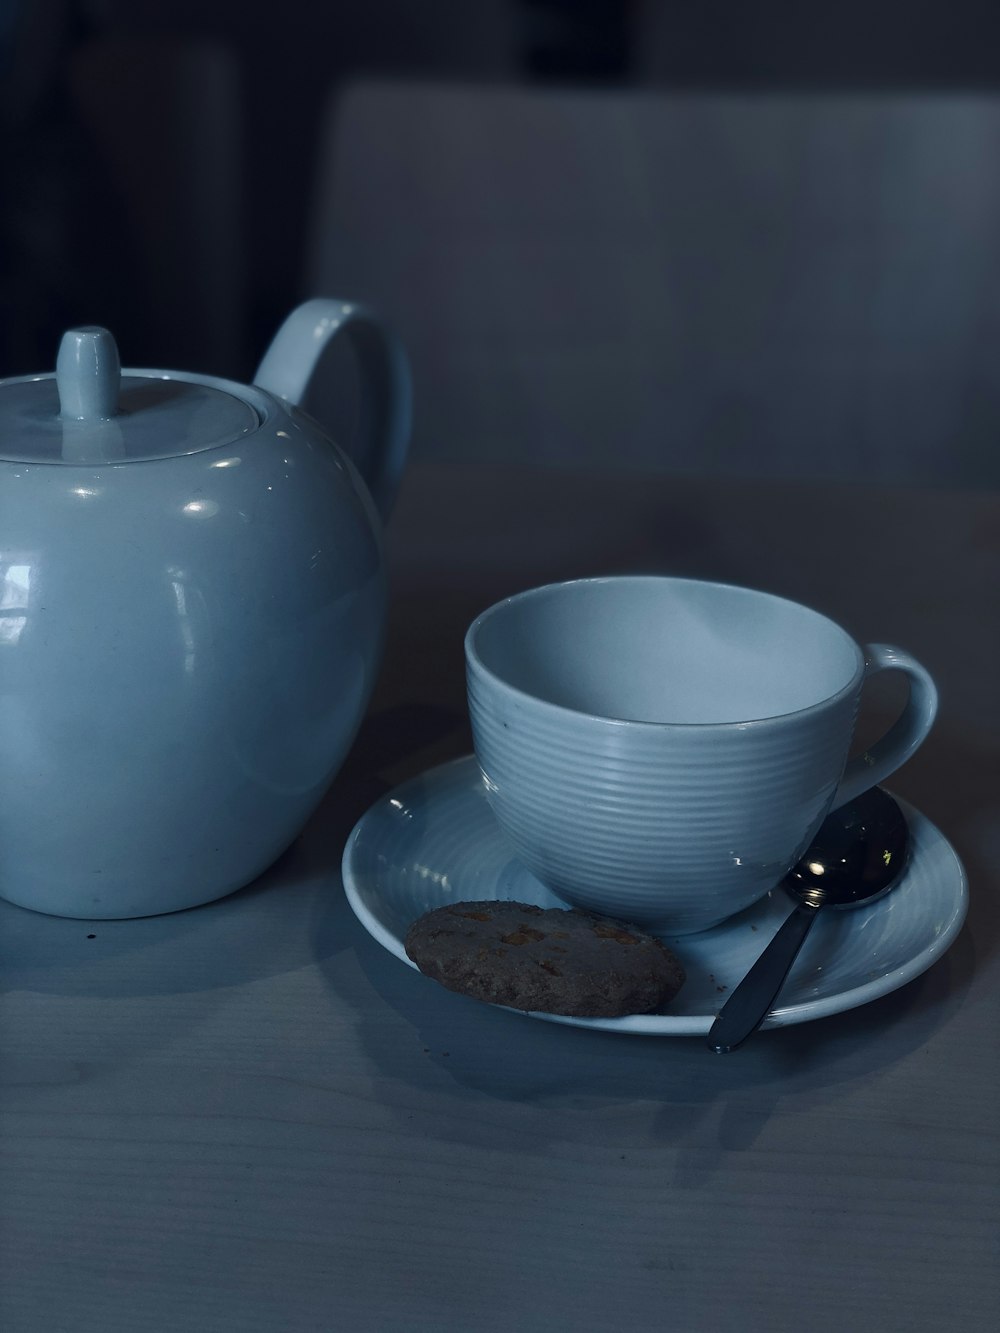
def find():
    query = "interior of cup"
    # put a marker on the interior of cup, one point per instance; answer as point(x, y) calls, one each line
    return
point(650, 649)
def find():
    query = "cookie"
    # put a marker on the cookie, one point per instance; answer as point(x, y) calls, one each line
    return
point(552, 960)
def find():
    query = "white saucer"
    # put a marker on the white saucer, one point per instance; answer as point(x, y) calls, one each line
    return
point(434, 840)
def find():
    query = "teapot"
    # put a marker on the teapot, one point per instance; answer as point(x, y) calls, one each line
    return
point(192, 614)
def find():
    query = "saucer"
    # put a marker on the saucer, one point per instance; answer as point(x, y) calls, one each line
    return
point(434, 841)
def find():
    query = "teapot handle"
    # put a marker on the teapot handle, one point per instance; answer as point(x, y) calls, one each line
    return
point(292, 358)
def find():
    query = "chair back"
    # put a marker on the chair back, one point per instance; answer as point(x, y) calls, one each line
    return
point(787, 284)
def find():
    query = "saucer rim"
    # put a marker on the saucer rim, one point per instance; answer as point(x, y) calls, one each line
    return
point(682, 1025)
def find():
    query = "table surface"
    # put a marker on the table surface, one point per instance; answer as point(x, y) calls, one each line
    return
point(250, 1116)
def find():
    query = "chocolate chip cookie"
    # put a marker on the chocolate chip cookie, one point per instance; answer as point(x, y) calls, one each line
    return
point(552, 960)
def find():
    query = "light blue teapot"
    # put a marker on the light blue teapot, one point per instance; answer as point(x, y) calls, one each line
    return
point(192, 610)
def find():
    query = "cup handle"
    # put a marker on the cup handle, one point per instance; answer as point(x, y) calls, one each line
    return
point(906, 734)
point(294, 354)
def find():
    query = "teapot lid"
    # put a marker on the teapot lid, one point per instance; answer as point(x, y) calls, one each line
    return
point(92, 412)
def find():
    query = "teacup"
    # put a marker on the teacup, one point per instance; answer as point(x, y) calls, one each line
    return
point(663, 750)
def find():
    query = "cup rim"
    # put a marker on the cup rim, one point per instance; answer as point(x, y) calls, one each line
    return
point(474, 661)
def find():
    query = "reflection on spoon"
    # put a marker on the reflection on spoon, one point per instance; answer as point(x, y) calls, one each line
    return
point(858, 854)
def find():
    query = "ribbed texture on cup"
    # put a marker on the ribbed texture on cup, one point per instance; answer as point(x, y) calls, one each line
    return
point(673, 826)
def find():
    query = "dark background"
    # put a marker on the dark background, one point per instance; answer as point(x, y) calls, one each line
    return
point(106, 105)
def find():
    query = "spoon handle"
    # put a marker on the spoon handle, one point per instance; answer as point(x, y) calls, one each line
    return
point(751, 1001)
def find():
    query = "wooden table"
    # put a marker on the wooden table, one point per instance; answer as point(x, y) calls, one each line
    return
point(251, 1117)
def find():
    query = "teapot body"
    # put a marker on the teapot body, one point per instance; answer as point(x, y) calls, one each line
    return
point(187, 648)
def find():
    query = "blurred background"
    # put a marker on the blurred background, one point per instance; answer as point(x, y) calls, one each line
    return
point(754, 237)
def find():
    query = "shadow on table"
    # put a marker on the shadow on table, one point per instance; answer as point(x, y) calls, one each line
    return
point(613, 1090)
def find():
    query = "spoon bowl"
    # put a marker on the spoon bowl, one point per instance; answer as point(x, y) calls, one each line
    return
point(859, 854)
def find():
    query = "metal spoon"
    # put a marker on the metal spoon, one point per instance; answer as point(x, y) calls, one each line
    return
point(859, 854)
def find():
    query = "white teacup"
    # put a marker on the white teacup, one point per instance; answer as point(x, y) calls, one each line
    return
point(663, 750)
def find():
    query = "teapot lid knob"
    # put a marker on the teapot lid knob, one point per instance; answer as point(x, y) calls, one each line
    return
point(88, 375)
